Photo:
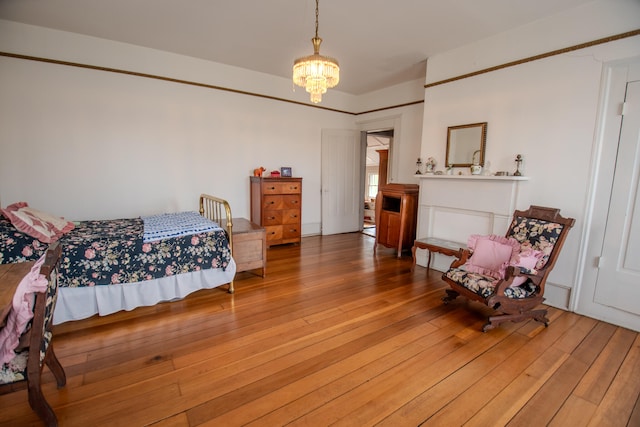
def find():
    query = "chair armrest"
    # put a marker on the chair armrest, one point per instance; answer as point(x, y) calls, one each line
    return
point(513, 272)
point(461, 258)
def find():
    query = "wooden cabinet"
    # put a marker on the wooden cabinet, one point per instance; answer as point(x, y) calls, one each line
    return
point(396, 216)
point(383, 166)
point(276, 205)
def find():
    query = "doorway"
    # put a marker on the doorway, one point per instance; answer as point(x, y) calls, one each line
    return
point(376, 174)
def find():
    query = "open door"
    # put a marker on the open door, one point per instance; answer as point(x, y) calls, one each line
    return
point(618, 283)
point(342, 181)
point(610, 285)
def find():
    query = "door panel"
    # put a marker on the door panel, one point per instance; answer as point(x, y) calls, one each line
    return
point(618, 282)
point(341, 181)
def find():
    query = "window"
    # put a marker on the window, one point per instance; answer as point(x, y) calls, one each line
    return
point(372, 190)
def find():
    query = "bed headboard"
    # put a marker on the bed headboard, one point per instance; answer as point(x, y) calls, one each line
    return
point(218, 210)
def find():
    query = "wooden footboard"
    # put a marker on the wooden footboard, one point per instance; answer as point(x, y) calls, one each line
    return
point(218, 210)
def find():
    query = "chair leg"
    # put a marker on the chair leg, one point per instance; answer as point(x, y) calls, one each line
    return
point(39, 404)
point(451, 295)
point(537, 315)
point(540, 316)
point(56, 368)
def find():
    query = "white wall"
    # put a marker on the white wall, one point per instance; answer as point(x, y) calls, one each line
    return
point(545, 110)
point(89, 144)
point(405, 148)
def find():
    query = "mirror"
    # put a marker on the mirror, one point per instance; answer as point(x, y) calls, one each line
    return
point(465, 144)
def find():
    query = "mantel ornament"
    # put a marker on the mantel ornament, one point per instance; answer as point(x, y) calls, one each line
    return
point(430, 164)
point(518, 162)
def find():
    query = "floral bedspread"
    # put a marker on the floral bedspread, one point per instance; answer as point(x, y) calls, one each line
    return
point(112, 251)
point(16, 246)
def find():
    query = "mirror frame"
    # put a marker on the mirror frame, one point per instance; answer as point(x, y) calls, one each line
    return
point(453, 131)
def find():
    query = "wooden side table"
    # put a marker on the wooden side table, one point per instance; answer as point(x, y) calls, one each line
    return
point(10, 277)
point(249, 246)
point(445, 247)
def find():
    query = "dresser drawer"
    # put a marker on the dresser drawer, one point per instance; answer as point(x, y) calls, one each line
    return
point(274, 232)
point(290, 216)
point(291, 201)
point(281, 187)
point(272, 202)
point(271, 217)
point(291, 231)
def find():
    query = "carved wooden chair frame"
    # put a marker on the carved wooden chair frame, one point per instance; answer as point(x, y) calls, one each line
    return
point(512, 304)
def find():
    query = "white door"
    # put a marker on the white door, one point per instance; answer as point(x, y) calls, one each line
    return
point(618, 282)
point(341, 172)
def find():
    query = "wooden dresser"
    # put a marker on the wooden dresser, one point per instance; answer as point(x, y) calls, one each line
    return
point(276, 205)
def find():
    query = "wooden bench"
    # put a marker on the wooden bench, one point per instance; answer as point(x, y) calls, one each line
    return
point(249, 246)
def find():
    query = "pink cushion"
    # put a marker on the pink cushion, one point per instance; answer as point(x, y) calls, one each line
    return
point(40, 225)
point(526, 259)
point(491, 254)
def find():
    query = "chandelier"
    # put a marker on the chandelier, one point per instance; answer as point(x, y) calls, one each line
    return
point(315, 72)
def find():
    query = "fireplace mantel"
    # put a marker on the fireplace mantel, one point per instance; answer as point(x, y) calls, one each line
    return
point(452, 207)
point(474, 177)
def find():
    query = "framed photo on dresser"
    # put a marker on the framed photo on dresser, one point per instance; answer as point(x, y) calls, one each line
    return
point(285, 172)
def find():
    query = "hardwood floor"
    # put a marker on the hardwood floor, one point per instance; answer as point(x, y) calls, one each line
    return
point(335, 335)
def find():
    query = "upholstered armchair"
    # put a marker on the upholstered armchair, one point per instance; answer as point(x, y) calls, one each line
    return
point(509, 273)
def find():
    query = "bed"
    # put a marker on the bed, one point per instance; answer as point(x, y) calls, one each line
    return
point(113, 265)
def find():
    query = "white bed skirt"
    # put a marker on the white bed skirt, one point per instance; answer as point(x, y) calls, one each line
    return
point(80, 303)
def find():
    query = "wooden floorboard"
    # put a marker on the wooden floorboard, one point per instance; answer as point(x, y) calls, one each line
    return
point(335, 335)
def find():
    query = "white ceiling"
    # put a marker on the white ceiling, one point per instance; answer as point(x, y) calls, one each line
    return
point(378, 43)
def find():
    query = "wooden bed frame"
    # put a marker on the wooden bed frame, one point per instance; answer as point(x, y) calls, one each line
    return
point(219, 211)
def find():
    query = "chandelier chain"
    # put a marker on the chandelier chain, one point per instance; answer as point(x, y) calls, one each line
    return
point(317, 1)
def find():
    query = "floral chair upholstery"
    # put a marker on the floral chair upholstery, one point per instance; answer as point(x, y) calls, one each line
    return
point(25, 369)
point(517, 292)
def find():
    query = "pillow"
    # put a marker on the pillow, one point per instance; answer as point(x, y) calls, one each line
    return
point(40, 225)
point(525, 259)
point(491, 254)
